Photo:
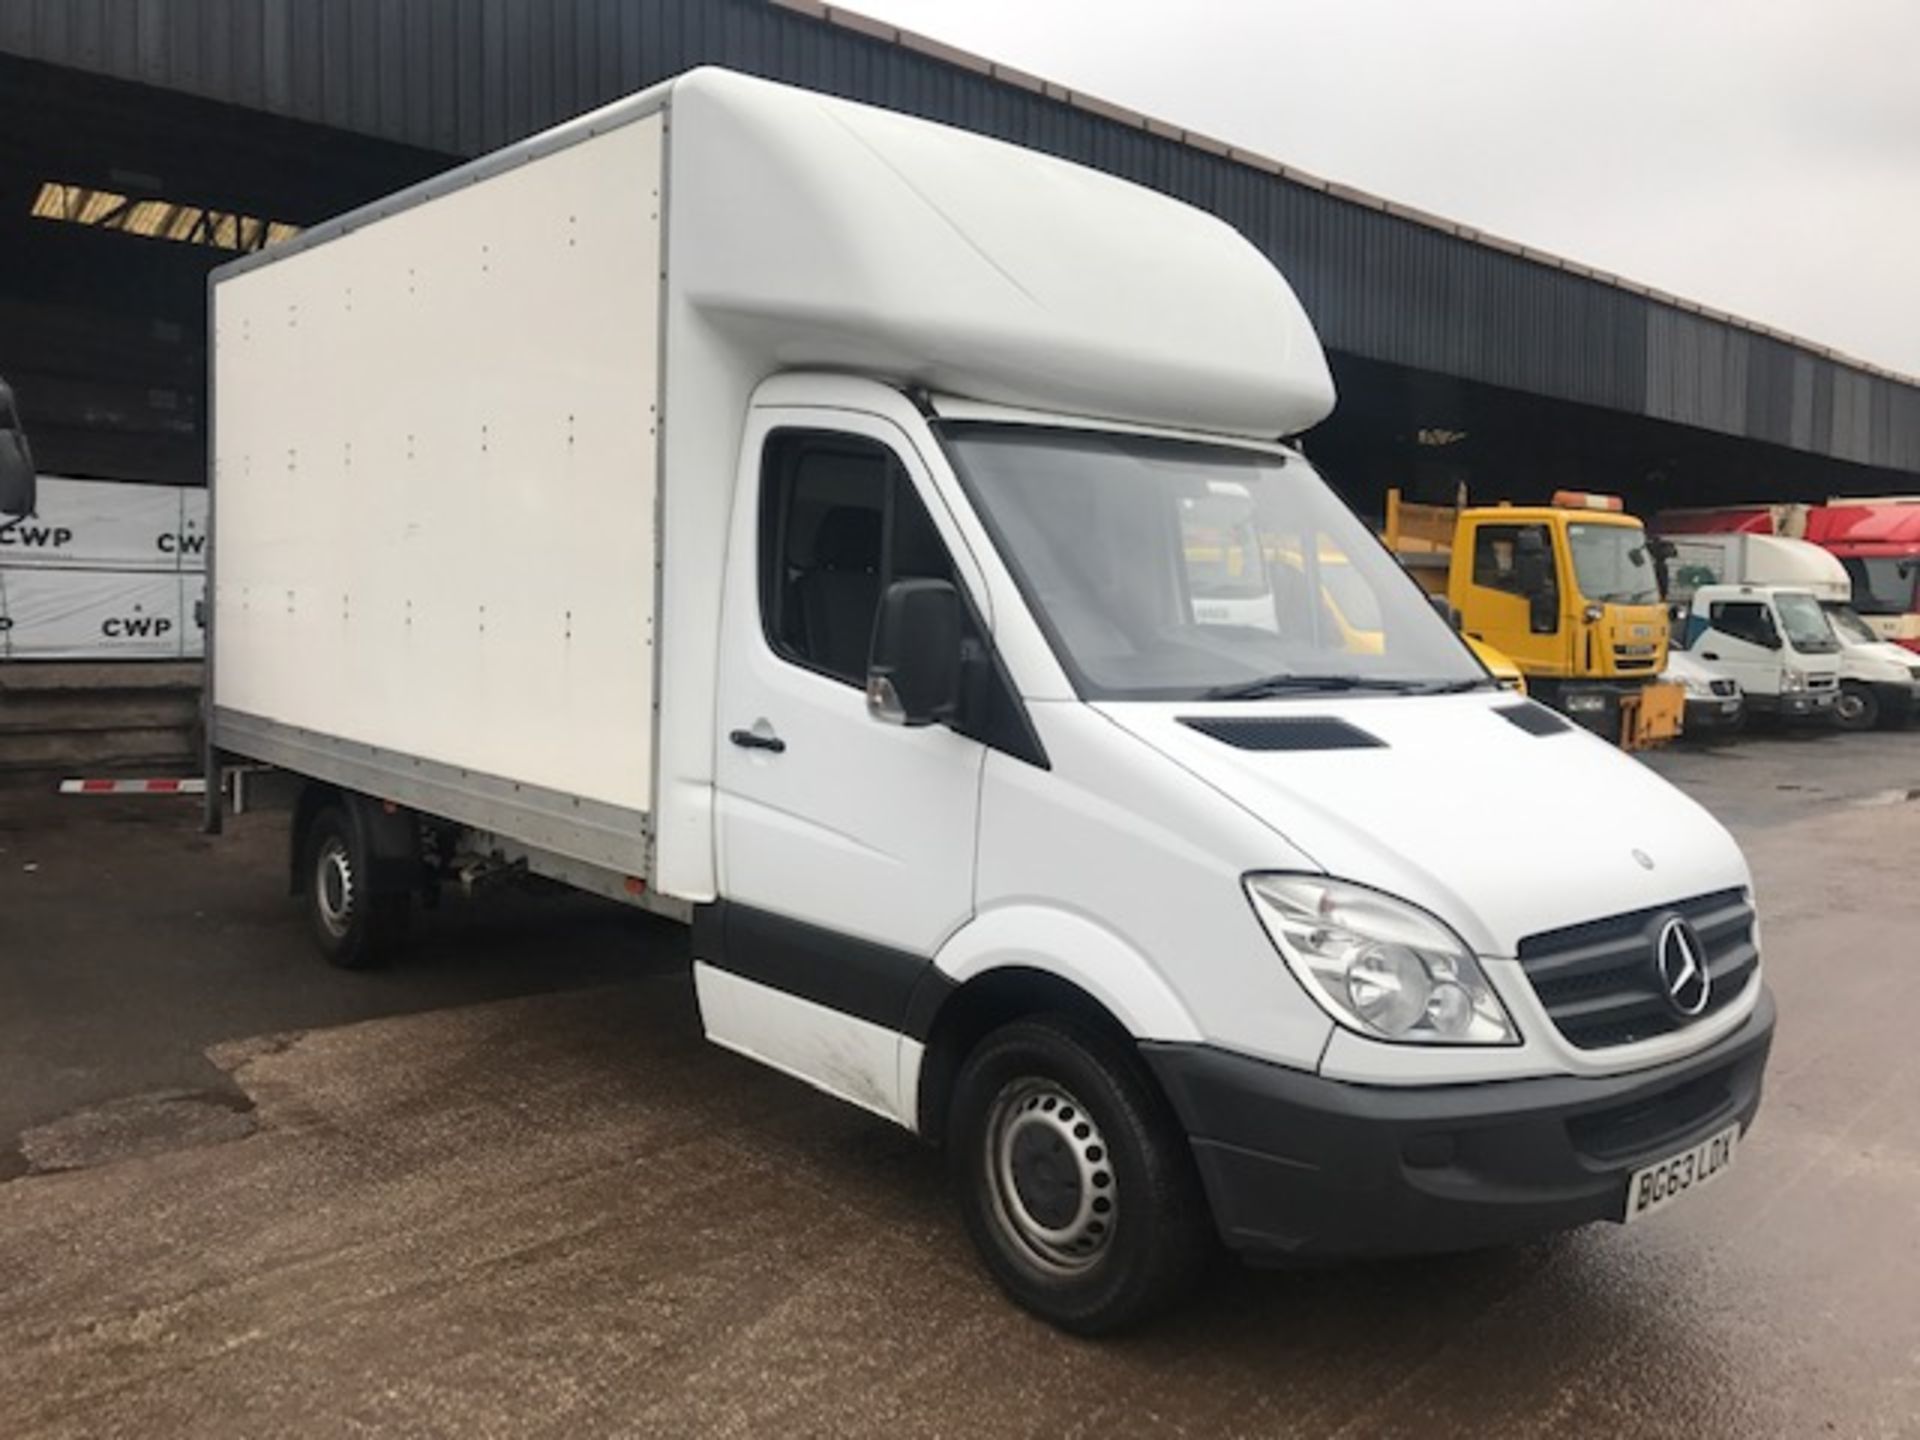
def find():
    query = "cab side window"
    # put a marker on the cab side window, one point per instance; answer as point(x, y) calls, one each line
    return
point(1495, 552)
point(1744, 620)
point(839, 522)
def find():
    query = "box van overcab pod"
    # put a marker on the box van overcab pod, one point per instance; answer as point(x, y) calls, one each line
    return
point(796, 518)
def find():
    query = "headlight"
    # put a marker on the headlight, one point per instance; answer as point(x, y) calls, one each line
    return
point(1378, 965)
point(1698, 689)
point(1792, 680)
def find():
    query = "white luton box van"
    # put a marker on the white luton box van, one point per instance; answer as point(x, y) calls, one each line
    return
point(786, 515)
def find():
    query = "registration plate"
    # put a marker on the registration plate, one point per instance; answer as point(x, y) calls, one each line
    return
point(1660, 1184)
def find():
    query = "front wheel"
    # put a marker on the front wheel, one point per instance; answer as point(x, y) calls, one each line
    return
point(1856, 707)
point(1074, 1179)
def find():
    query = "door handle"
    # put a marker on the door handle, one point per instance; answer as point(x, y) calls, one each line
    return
point(1708, 655)
point(748, 740)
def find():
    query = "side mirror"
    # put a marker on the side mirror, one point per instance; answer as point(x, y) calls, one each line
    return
point(1446, 610)
point(1543, 613)
point(1532, 566)
point(16, 459)
point(913, 673)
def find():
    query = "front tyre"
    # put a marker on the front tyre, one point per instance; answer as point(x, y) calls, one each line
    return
point(1856, 707)
point(1074, 1179)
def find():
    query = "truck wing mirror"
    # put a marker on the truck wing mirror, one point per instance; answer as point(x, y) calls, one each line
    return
point(913, 673)
point(16, 459)
point(1446, 610)
point(1543, 612)
point(1532, 567)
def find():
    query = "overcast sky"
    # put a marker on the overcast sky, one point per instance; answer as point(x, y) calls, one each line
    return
point(1757, 156)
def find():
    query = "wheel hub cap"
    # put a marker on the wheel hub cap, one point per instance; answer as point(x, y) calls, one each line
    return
point(333, 888)
point(1051, 1175)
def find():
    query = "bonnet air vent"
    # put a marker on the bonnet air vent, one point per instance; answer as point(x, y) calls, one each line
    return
point(1532, 718)
point(1283, 732)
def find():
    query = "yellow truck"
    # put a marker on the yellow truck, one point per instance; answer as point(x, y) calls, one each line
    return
point(1568, 591)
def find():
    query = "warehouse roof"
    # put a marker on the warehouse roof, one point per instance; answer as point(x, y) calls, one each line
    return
point(1382, 281)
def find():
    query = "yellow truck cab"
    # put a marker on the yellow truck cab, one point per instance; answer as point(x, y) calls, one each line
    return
point(1568, 591)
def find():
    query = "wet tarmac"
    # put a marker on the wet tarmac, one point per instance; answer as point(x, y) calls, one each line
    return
point(507, 1190)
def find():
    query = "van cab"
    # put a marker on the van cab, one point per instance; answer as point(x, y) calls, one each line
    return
point(1775, 642)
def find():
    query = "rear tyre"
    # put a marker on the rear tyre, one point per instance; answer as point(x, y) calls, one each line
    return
point(1073, 1176)
point(1856, 707)
point(354, 927)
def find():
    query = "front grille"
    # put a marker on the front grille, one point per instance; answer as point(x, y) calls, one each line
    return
point(1723, 687)
point(1822, 682)
point(1600, 983)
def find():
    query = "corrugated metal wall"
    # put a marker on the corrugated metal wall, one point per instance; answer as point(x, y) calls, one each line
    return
point(466, 76)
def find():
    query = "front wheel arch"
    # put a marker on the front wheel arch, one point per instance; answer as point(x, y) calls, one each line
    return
point(981, 1006)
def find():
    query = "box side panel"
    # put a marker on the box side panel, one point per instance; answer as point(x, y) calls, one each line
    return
point(435, 477)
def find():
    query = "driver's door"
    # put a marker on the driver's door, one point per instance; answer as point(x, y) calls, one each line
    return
point(1495, 604)
point(846, 845)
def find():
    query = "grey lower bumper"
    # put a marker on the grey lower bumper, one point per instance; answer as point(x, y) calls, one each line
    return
point(1297, 1166)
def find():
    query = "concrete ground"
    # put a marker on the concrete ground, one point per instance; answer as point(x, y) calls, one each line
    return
point(507, 1190)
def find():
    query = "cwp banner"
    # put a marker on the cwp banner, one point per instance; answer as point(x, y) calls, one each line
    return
point(105, 571)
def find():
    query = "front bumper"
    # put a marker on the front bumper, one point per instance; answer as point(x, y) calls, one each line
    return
point(1709, 713)
point(1800, 705)
point(1297, 1166)
point(1897, 701)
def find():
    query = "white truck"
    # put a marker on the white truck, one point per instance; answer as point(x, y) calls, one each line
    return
point(1878, 679)
point(768, 510)
point(1775, 642)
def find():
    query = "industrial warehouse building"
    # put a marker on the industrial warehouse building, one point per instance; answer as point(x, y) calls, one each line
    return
point(142, 143)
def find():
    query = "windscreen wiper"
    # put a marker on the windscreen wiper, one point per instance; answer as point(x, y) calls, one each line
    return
point(1293, 684)
point(1288, 684)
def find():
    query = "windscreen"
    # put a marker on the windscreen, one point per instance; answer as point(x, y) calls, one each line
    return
point(1612, 565)
point(1849, 626)
point(1882, 584)
point(1805, 624)
point(1180, 570)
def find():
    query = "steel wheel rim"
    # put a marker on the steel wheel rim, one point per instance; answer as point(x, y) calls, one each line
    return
point(1050, 1173)
point(333, 888)
point(1849, 707)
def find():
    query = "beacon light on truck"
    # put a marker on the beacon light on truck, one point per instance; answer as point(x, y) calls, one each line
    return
point(1587, 500)
point(1379, 965)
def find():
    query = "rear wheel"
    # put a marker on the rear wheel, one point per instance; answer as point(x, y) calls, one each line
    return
point(354, 927)
point(1856, 707)
point(1075, 1181)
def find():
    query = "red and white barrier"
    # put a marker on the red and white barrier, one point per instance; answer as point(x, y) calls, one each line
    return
point(195, 786)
